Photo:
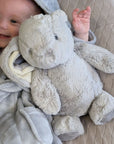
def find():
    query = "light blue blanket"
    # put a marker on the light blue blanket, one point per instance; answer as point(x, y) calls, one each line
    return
point(20, 121)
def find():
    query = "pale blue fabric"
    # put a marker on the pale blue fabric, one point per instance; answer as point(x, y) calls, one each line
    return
point(48, 5)
point(20, 121)
point(92, 38)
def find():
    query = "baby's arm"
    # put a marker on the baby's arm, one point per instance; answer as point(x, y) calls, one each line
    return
point(81, 23)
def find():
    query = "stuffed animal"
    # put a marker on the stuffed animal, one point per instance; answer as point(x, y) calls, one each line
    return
point(60, 73)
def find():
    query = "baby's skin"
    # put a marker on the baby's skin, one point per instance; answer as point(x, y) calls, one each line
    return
point(81, 23)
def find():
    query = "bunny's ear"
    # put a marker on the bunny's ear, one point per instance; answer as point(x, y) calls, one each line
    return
point(35, 20)
point(60, 14)
point(38, 16)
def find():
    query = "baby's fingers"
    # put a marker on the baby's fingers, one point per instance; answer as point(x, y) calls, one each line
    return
point(75, 12)
point(87, 10)
point(81, 14)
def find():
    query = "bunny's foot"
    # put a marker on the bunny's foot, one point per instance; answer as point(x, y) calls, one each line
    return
point(67, 127)
point(102, 109)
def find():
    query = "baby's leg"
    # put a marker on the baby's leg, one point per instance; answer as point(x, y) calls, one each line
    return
point(67, 127)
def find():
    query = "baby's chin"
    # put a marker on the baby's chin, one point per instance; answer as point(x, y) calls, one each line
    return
point(3, 45)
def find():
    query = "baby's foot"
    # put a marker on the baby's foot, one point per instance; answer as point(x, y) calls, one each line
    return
point(81, 23)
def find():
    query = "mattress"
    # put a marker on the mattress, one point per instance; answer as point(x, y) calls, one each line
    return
point(102, 24)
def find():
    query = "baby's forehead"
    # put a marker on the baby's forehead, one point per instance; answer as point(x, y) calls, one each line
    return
point(19, 8)
point(34, 4)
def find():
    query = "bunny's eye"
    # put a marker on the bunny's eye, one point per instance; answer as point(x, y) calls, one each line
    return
point(56, 37)
point(30, 51)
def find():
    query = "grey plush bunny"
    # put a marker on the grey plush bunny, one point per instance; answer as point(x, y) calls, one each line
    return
point(60, 74)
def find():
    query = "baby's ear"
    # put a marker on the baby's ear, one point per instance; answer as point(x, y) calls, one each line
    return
point(60, 14)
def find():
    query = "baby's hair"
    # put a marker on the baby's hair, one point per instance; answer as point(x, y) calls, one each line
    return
point(36, 6)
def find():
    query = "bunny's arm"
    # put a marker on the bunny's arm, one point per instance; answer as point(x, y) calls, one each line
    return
point(97, 56)
point(44, 93)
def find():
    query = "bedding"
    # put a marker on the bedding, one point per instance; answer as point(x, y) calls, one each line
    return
point(102, 24)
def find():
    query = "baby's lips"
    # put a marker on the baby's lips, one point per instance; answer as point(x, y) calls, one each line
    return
point(3, 36)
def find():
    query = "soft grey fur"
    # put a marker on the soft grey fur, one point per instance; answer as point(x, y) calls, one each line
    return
point(66, 75)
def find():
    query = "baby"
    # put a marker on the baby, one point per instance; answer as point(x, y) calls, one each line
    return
point(14, 12)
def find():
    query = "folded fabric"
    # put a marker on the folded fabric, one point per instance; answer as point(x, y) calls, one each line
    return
point(20, 121)
point(20, 73)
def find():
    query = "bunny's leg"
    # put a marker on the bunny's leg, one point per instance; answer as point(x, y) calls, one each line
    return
point(67, 127)
point(102, 109)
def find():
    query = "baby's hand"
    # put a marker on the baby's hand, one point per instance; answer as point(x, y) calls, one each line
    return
point(81, 23)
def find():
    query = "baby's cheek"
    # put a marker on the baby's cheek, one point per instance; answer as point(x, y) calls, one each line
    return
point(15, 31)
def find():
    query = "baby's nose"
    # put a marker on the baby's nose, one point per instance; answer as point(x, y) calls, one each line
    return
point(3, 24)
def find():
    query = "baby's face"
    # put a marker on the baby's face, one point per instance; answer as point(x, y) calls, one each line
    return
point(12, 14)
